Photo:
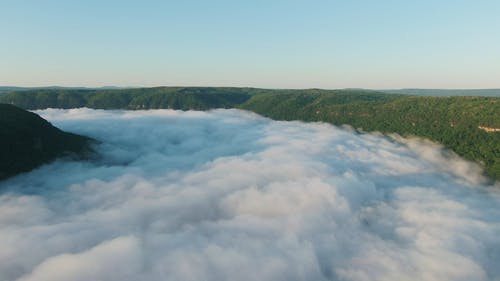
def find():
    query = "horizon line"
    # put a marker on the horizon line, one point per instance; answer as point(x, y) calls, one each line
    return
point(248, 87)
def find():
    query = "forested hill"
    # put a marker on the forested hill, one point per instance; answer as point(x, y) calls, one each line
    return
point(459, 123)
point(465, 124)
point(197, 98)
point(27, 141)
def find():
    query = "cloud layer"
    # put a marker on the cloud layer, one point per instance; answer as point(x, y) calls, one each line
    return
point(229, 195)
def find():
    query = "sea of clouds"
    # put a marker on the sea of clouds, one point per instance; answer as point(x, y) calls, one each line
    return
point(230, 195)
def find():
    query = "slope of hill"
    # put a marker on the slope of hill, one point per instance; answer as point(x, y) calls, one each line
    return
point(456, 122)
point(27, 141)
point(465, 124)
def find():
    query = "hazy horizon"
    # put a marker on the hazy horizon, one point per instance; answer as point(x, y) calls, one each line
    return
point(223, 86)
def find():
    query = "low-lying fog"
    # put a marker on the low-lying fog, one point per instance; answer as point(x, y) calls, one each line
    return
point(229, 195)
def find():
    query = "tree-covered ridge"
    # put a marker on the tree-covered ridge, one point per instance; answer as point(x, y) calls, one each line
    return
point(197, 98)
point(452, 121)
point(27, 141)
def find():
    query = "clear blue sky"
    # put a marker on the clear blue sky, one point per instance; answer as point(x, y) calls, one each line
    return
point(259, 43)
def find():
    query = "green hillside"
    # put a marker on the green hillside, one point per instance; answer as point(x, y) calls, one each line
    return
point(27, 141)
point(197, 98)
point(452, 121)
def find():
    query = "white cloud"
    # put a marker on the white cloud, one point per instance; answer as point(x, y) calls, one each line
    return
point(229, 195)
point(116, 259)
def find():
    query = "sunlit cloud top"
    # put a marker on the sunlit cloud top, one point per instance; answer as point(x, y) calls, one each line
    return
point(229, 195)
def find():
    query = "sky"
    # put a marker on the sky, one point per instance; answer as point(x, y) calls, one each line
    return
point(271, 44)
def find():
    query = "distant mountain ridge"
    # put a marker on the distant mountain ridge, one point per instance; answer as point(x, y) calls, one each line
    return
point(493, 92)
point(7, 89)
point(446, 92)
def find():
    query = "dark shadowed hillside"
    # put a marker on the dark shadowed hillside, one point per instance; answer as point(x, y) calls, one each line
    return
point(27, 141)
